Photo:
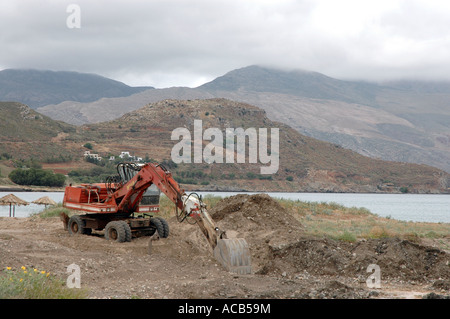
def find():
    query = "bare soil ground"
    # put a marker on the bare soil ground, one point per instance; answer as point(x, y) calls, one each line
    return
point(286, 262)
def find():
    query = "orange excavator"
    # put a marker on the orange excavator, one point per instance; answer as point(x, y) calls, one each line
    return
point(124, 206)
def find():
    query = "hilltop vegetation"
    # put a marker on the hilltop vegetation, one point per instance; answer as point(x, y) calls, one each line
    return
point(26, 134)
point(19, 123)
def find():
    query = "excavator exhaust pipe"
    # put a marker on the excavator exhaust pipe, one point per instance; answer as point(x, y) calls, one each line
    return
point(234, 255)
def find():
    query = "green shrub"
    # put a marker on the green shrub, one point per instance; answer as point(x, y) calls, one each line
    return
point(347, 236)
point(251, 175)
point(37, 177)
point(88, 146)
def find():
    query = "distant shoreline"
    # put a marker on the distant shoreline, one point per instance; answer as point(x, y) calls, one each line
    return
point(61, 190)
point(29, 189)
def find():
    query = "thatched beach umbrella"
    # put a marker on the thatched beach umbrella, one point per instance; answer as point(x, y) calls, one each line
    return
point(12, 200)
point(44, 201)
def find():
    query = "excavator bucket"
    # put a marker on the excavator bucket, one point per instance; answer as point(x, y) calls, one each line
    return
point(234, 255)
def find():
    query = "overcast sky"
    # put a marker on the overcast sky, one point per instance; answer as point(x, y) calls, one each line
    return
point(187, 43)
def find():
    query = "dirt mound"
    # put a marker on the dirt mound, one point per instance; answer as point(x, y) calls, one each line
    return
point(261, 220)
point(279, 246)
point(402, 259)
point(254, 212)
point(398, 259)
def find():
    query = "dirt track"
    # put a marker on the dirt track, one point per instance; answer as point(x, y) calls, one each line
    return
point(286, 263)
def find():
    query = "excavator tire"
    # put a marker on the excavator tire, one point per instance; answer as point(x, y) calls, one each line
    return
point(76, 225)
point(234, 255)
point(161, 226)
point(165, 226)
point(118, 231)
point(127, 228)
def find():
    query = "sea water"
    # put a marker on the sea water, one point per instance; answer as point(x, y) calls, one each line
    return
point(407, 207)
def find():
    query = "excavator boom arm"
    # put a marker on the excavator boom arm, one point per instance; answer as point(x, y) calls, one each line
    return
point(149, 174)
point(232, 253)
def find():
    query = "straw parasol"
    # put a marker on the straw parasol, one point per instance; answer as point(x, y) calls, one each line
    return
point(44, 201)
point(12, 200)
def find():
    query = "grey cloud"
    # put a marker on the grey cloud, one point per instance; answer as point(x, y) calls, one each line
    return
point(179, 42)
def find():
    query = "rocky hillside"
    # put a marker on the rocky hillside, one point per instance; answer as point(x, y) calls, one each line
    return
point(25, 134)
point(305, 163)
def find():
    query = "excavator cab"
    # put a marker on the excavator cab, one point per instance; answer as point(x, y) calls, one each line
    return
point(150, 200)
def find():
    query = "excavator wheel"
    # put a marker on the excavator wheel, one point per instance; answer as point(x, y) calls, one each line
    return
point(162, 227)
point(234, 255)
point(118, 231)
point(76, 225)
point(165, 227)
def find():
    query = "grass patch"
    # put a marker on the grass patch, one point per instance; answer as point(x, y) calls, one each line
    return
point(25, 283)
point(329, 219)
point(378, 232)
point(53, 211)
point(352, 223)
point(347, 236)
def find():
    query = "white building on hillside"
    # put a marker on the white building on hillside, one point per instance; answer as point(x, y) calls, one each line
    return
point(94, 156)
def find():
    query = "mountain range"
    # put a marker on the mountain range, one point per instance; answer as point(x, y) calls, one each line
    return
point(405, 121)
point(37, 88)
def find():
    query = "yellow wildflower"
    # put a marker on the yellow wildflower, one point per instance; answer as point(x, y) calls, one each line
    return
point(23, 267)
point(35, 270)
point(8, 268)
point(43, 272)
point(25, 272)
point(21, 279)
